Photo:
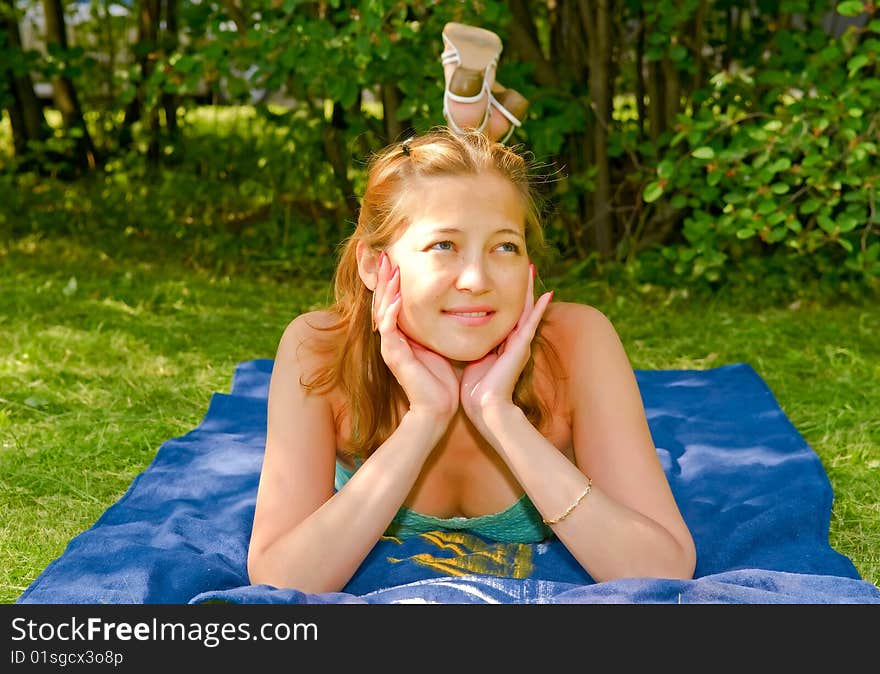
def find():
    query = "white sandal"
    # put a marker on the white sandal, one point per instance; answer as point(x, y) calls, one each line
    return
point(475, 53)
point(509, 98)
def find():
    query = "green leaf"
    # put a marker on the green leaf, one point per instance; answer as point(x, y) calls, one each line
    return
point(652, 192)
point(781, 164)
point(734, 198)
point(850, 8)
point(826, 223)
point(780, 188)
point(847, 223)
point(856, 62)
point(810, 206)
point(678, 53)
point(704, 152)
point(775, 218)
point(766, 207)
point(745, 233)
point(665, 168)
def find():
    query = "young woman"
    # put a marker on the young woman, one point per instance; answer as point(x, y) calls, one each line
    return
point(438, 393)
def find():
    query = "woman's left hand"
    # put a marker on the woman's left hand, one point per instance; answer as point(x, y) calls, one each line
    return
point(489, 382)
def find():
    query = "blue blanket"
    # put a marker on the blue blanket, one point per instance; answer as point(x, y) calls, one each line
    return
point(754, 494)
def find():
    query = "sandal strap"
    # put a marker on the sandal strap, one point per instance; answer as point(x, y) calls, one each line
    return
point(451, 120)
point(504, 111)
point(450, 56)
point(467, 99)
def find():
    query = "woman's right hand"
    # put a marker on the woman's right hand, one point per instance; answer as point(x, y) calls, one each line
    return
point(427, 378)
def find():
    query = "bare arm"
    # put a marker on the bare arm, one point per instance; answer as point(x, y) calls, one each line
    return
point(305, 536)
point(628, 525)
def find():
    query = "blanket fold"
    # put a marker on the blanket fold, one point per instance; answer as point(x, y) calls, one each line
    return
point(754, 494)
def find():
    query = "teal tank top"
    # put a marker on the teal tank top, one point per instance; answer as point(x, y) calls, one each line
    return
point(520, 523)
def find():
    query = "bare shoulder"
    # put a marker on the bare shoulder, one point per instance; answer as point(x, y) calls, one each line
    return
point(572, 325)
point(307, 344)
point(311, 324)
point(313, 329)
point(585, 343)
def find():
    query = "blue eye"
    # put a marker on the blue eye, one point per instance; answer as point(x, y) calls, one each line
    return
point(442, 245)
point(509, 247)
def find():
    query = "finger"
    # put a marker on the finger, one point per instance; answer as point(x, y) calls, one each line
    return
point(388, 321)
point(529, 303)
point(378, 291)
point(523, 336)
point(390, 288)
point(537, 314)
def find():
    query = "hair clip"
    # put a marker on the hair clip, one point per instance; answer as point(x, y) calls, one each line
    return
point(405, 146)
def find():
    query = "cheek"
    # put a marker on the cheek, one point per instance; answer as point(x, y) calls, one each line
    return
point(419, 302)
point(518, 282)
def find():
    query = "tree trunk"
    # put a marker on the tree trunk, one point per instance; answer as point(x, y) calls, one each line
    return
point(596, 17)
point(656, 103)
point(523, 42)
point(641, 90)
point(64, 92)
point(672, 94)
point(170, 40)
point(390, 105)
point(148, 34)
point(334, 146)
point(25, 112)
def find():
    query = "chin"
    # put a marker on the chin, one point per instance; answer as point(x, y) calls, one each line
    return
point(467, 354)
point(464, 356)
point(454, 345)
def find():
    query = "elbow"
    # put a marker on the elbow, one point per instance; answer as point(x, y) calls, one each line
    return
point(255, 568)
point(685, 564)
point(262, 571)
point(675, 560)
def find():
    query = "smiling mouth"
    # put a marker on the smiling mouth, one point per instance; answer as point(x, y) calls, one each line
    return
point(473, 319)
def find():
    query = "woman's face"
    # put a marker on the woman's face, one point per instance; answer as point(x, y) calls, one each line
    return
point(464, 268)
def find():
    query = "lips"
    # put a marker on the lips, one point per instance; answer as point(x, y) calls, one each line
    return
point(477, 309)
point(472, 316)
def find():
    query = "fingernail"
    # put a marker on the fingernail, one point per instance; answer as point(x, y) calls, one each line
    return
point(552, 292)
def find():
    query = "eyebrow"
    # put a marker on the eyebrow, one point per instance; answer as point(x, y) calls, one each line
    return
point(453, 230)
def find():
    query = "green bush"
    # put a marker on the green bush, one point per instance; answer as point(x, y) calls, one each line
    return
point(781, 165)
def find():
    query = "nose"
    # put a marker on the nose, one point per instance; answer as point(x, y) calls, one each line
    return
point(474, 276)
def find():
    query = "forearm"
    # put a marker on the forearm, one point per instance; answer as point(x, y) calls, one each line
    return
point(322, 553)
point(609, 539)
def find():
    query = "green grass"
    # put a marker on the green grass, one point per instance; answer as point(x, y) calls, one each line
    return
point(105, 357)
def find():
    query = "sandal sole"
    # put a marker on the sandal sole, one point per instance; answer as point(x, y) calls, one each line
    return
point(477, 48)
